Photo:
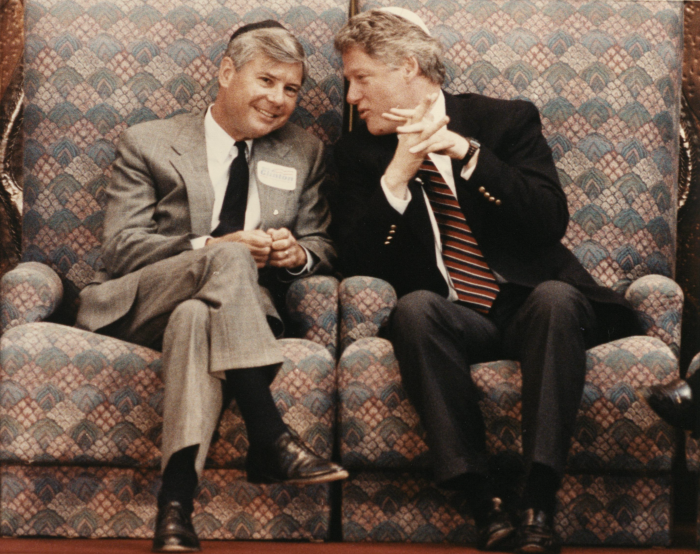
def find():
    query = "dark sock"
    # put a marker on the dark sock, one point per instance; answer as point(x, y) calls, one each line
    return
point(541, 488)
point(180, 479)
point(479, 493)
point(251, 390)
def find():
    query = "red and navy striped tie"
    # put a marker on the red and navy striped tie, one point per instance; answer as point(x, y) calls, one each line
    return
point(471, 276)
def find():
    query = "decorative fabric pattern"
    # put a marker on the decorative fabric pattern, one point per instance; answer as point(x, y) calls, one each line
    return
point(94, 68)
point(592, 510)
point(29, 292)
point(100, 502)
point(312, 305)
point(605, 77)
point(660, 303)
point(380, 429)
point(365, 305)
point(69, 396)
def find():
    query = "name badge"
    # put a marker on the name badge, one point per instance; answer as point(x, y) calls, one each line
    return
point(278, 176)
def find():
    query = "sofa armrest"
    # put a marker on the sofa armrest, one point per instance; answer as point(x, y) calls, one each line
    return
point(659, 301)
point(365, 305)
point(312, 307)
point(30, 292)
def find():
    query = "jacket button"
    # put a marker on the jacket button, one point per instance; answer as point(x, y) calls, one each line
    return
point(487, 195)
point(498, 202)
point(387, 242)
point(482, 190)
point(492, 199)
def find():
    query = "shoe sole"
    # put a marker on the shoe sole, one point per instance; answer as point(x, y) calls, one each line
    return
point(319, 479)
point(176, 548)
point(502, 541)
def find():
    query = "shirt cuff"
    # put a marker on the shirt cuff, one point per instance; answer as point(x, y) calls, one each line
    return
point(199, 242)
point(398, 204)
point(468, 169)
point(310, 263)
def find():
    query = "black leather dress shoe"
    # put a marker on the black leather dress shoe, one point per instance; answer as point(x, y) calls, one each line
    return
point(499, 532)
point(535, 534)
point(174, 530)
point(289, 460)
point(673, 402)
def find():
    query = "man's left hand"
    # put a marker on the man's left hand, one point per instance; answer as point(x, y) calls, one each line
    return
point(286, 251)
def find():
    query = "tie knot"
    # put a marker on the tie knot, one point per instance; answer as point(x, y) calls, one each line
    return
point(241, 146)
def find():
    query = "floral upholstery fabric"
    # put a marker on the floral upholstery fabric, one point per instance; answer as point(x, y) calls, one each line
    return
point(104, 502)
point(312, 305)
point(94, 68)
point(78, 402)
point(605, 77)
point(30, 292)
point(592, 510)
point(72, 397)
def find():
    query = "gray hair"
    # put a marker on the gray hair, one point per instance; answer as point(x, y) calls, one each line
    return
point(278, 44)
point(391, 40)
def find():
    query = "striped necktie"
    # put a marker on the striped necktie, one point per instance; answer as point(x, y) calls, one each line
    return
point(471, 276)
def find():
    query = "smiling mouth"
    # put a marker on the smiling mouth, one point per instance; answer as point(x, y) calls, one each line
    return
point(267, 114)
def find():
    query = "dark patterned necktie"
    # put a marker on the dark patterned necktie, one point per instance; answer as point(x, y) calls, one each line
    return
point(232, 217)
point(471, 276)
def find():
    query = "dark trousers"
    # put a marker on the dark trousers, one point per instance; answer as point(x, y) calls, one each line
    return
point(547, 330)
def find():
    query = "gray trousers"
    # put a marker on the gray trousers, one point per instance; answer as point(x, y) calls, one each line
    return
point(207, 311)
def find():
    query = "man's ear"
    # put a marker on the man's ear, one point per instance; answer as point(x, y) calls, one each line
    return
point(410, 68)
point(227, 71)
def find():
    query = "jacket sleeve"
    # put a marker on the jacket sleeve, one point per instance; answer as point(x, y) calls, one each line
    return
point(516, 181)
point(368, 230)
point(131, 239)
point(313, 216)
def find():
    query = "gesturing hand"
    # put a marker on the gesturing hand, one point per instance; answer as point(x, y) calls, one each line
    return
point(427, 136)
point(286, 252)
point(419, 134)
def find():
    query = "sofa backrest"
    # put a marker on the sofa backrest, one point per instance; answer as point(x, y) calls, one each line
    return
point(95, 67)
point(606, 78)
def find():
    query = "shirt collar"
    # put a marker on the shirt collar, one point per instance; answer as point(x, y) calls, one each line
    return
point(218, 142)
point(438, 109)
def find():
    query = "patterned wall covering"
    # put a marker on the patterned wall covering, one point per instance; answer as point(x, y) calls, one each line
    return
point(605, 76)
point(95, 68)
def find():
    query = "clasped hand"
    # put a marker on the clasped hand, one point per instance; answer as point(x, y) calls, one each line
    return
point(274, 247)
point(419, 134)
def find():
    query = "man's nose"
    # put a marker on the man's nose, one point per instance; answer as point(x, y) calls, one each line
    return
point(276, 95)
point(353, 96)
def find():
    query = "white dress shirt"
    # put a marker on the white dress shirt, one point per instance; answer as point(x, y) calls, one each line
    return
point(443, 164)
point(221, 152)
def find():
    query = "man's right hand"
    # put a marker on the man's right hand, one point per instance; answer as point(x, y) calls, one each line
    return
point(405, 163)
point(258, 242)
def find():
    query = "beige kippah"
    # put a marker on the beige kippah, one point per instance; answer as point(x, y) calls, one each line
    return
point(408, 15)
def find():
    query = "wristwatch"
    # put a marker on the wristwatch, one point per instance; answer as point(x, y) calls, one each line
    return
point(474, 145)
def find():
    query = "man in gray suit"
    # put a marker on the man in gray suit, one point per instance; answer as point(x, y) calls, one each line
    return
point(201, 210)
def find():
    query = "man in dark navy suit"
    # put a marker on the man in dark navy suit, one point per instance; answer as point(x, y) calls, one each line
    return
point(455, 201)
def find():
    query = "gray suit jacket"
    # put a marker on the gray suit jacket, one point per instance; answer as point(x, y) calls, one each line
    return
point(160, 198)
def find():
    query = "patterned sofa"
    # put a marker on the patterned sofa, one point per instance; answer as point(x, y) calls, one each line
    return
point(80, 413)
point(606, 78)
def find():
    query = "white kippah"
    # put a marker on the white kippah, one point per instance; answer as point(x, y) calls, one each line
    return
point(408, 15)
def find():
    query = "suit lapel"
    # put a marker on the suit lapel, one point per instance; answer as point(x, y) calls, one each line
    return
point(190, 161)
